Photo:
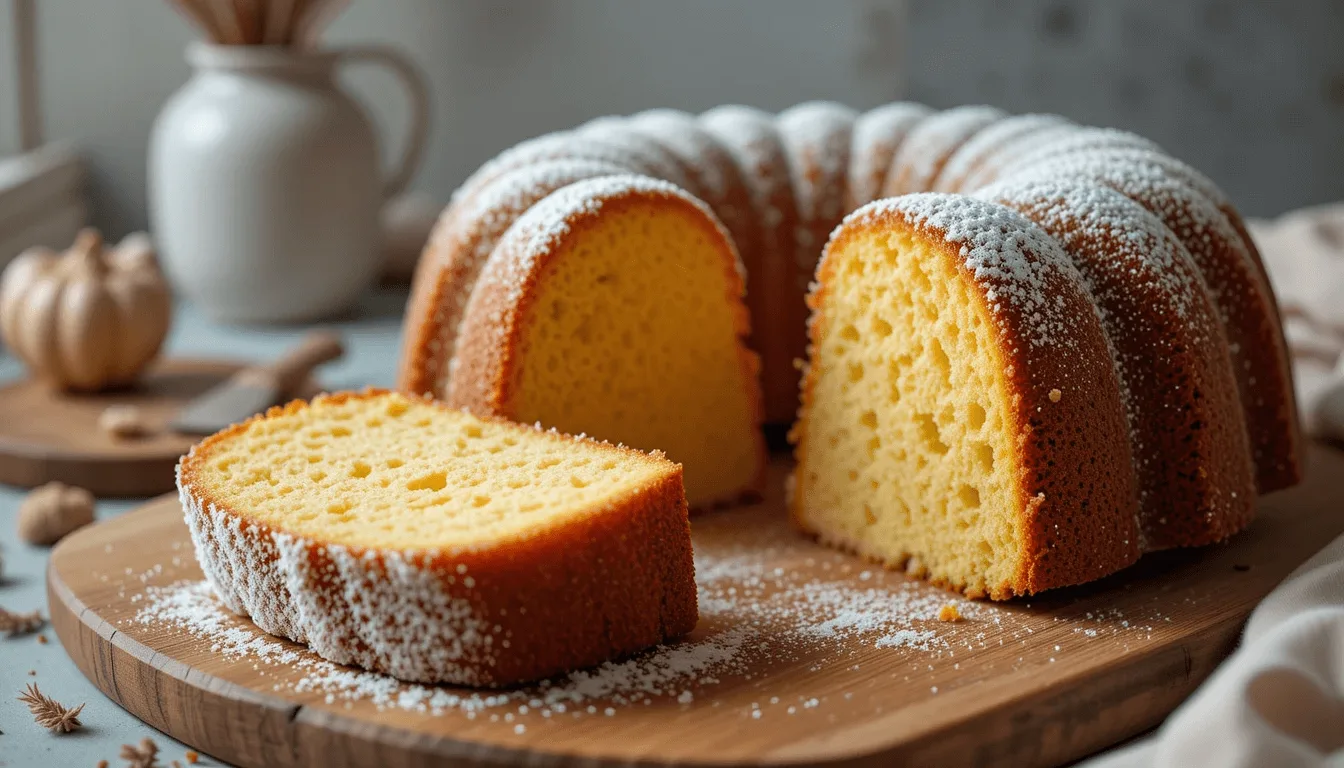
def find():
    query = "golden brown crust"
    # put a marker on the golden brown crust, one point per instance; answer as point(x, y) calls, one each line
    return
point(1077, 493)
point(929, 146)
point(563, 597)
point(451, 262)
point(485, 377)
point(758, 149)
point(1196, 480)
point(1245, 301)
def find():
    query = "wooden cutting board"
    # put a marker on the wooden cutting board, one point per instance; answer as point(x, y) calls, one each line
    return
point(46, 435)
point(822, 659)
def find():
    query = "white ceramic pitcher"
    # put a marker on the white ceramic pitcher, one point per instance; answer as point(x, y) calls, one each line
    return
point(265, 185)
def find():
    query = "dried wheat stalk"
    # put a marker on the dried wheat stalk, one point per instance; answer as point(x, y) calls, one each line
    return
point(20, 623)
point(146, 755)
point(48, 712)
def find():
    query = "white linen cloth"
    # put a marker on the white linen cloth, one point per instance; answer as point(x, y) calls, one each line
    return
point(1278, 701)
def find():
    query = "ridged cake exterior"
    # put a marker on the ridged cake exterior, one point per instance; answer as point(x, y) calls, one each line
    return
point(778, 182)
point(1014, 376)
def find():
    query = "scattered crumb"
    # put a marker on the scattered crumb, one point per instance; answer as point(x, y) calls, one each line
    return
point(1055, 395)
point(143, 755)
point(192, 756)
point(102, 764)
point(32, 673)
point(42, 639)
point(20, 623)
point(51, 511)
point(949, 613)
point(122, 422)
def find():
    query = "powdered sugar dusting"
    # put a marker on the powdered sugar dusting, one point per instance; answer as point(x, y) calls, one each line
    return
point(752, 139)
point(469, 233)
point(620, 133)
point(694, 147)
point(1010, 256)
point(752, 611)
point(1086, 141)
point(548, 222)
point(999, 137)
point(564, 145)
point(877, 135)
point(816, 137)
point(930, 143)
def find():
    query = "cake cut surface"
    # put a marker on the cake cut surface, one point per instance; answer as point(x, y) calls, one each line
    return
point(413, 539)
point(955, 354)
point(614, 309)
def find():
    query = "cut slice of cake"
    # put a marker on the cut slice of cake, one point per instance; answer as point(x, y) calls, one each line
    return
point(613, 308)
point(416, 540)
point(962, 414)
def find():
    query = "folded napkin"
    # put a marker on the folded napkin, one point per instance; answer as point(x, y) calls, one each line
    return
point(1278, 701)
point(1304, 254)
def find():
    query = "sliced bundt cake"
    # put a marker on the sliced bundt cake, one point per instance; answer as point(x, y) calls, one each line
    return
point(462, 240)
point(1137, 231)
point(1196, 480)
point(614, 308)
point(961, 412)
point(758, 149)
point(878, 134)
point(423, 542)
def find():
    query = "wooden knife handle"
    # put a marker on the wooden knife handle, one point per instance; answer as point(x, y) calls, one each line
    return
point(315, 348)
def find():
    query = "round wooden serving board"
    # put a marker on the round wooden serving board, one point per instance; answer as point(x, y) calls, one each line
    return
point(1021, 683)
point(48, 435)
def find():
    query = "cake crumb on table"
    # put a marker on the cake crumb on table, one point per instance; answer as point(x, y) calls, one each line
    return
point(949, 612)
point(1055, 395)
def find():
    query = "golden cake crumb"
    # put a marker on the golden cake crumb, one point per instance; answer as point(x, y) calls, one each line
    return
point(1055, 395)
point(949, 612)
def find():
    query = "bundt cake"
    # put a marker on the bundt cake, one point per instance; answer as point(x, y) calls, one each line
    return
point(995, 140)
point(614, 308)
point(1159, 253)
point(1244, 300)
point(1196, 482)
point(931, 144)
point(961, 412)
point(754, 142)
point(411, 539)
point(459, 245)
point(878, 133)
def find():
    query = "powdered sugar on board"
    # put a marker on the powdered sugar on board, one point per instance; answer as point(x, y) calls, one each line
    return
point(788, 629)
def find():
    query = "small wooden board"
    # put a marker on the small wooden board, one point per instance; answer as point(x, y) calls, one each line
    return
point(47, 435)
point(1021, 683)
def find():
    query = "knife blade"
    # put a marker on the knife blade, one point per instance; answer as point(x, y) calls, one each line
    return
point(256, 388)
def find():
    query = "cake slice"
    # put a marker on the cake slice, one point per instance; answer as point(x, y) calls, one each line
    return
point(408, 538)
point(961, 410)
point(613, 308)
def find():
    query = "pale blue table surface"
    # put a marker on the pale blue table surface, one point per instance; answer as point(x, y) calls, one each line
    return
point(371, 337)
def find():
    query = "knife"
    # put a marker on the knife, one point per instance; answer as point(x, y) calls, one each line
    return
point(256, 388)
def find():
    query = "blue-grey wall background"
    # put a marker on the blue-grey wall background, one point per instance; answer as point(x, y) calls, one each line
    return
point(1252, 92)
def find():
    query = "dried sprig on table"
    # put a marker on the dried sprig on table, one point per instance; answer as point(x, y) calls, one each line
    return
point(49, 712)
point(20, 623)
point(146, 755)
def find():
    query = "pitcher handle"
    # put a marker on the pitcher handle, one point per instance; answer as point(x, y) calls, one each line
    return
point(414, 82)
